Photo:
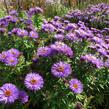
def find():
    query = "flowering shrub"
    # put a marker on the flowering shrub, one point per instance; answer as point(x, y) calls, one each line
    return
point(52, 63)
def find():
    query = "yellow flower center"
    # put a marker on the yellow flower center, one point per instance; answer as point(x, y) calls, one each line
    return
point(8, 93)
point(75, 86)
point(11, 60)
point(60, 69)
point(33, 34)
point(33, 81)
point(3, 56)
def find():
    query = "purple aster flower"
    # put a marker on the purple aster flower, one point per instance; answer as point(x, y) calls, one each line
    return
point(48, 27)
point(57, 46)
point(71, 26)
point(22, 32)
point(34, 81)
point(13, 12)
point(3, 56)
point(11, 61)
point(12, 19)
point(71, 36)
point(60, 47)
point(23, 97)
point(28, 22)
point(76, 86)
point(44, 51)
point(4, 23)
point(2, 30)
point(8, 93)
point(59, 36)
point(33, 34)
point(97, 40)
point(82, 33)
point(67, 51)
point(92, 59)
point(57, 18)
point(102, 51)
point(61, 69)
point(14, 30)
point(16, 53)
point(33, 11)
point(66, 21)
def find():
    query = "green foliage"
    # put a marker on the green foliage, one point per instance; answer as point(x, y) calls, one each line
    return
point(52, 10)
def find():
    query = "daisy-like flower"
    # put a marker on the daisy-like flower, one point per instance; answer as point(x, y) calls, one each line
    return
point(3, 56)
point(76, 86)
point(60, 47)
point(22, 32)
point(33, 11)
point(33, 34)
point(61, 69)
point(48, 27)
point(8, 93)
point(33, 81)
point(11, 61)
point(71, 36)
point(92, 59)
point(14, 52)
point(59, 36)
point(23, 97)
point(44, 51)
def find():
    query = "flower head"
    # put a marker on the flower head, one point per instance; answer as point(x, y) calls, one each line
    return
point(22, 32)
point(11, 61)
point(34, 81)
point(48, 27)
point(3, 56)
point(33, 34)
point(44, 51)
point(76, 86)
point(33, 11)
point(62, 48)
point(61, 69)
point(14, 52)
point(8, 93)
point(59, 36)
point(23, 97)
point(92, 59)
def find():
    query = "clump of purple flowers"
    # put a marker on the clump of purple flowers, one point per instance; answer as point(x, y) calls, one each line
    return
point(35, 10)
point(22, 32)
point(44, 51)
point(33, 34)
point(48, 27)
point(92, 59)
point(62, 48)
point(10, 57)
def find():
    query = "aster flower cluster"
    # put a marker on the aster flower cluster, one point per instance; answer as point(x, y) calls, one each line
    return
point(9, 93)
point(91, 15)
point(92, 59)
point(35, 10)
point(10, 57)
point(58, 48)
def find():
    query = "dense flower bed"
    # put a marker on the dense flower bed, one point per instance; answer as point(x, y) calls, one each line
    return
point(53, 63)
point(94, 16)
